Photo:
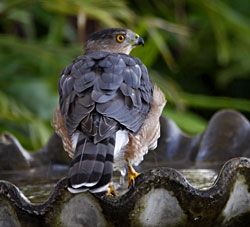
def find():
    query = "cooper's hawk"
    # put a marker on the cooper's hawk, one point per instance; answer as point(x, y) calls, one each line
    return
point(108, 115)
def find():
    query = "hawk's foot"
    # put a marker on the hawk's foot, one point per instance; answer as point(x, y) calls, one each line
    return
point(111, 190)
point(132, 175)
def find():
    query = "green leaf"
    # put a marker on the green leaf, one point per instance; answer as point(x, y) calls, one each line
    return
point(189, 122)
point(210, 102)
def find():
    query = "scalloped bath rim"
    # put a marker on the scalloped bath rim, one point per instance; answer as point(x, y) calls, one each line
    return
point(161, 196)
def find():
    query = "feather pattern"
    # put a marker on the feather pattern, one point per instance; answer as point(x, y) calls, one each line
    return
point(146, 138)
point(100, 94)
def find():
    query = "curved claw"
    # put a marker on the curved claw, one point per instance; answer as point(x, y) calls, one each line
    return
point(111, 190)
point(132, 175)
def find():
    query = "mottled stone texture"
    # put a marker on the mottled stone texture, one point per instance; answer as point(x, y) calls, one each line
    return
point(155, 208)
point(8, 217)
point(161, 196)
point(82, 210)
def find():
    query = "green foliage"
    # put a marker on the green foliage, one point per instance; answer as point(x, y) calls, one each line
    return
point(22, 122)
point(198, 52)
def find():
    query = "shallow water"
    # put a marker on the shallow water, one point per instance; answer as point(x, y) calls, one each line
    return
point(37, 193)
point(198, 178)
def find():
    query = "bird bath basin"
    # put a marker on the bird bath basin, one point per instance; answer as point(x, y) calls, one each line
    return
point(200, 180)
point(40, 191)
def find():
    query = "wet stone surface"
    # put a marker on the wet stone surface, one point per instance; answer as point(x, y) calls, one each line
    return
point(162, 196)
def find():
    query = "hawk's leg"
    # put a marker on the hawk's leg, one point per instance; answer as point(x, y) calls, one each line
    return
point(111, 190)
point(132, 175)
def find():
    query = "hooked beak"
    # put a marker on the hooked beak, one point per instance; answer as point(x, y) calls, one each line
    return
point(139, 41)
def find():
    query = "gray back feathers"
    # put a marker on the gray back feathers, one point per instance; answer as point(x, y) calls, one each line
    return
point(101, 84)
point(101, 93)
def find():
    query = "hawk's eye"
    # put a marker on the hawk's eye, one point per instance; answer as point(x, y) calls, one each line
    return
point(120, 38)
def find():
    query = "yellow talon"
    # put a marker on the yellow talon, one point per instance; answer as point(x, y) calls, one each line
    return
point(111, 190)
point(132, 175)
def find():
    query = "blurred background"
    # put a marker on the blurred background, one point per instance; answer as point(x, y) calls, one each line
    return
point(198, 52)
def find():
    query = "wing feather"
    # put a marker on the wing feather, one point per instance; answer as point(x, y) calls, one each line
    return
point(102, 92)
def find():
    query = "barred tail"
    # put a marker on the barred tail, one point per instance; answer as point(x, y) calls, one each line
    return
point(92, 166)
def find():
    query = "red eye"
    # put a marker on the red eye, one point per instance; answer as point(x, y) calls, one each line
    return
point(120, 38)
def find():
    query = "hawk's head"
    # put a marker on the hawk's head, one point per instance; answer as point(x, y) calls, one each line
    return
point(115, 40)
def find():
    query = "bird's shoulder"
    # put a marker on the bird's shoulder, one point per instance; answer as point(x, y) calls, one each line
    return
point(104, 69)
